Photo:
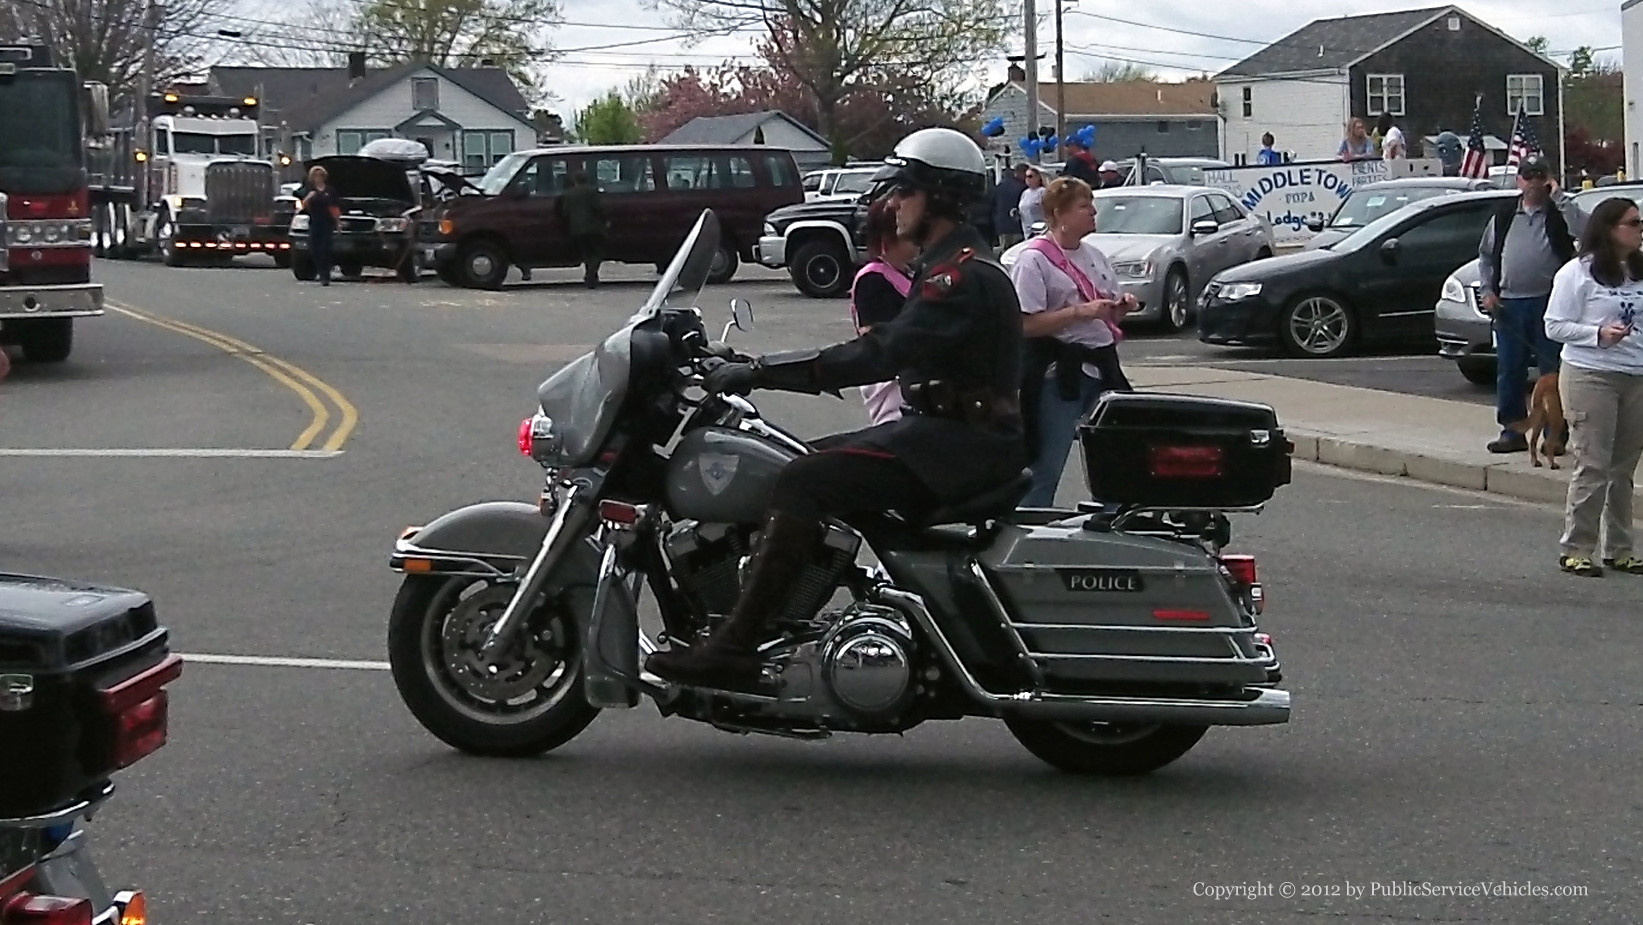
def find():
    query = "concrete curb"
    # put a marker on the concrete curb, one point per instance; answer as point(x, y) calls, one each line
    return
point(1540, 486)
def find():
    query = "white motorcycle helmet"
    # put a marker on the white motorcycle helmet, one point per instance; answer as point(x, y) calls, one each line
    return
point(942, 162)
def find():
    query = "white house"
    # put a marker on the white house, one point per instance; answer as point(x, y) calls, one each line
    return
point(1631, 61)
point(475, 116)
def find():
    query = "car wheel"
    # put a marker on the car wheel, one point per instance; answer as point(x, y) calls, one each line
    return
point(47, 340)
point(1318, 325)
point(1478, 370)
point(821, 270)
point(1263, 254)
point(484, 265)
point(725, 262)
point(1177, 306)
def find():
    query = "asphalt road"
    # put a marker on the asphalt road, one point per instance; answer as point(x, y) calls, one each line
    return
point(1465, 716)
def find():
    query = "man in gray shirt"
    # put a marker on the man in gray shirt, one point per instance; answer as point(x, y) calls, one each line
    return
point(1523, 247)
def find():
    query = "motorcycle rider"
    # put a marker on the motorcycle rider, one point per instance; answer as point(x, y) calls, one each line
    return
point(955, 347)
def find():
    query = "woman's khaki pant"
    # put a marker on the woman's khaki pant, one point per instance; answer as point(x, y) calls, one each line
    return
point(1605, 412)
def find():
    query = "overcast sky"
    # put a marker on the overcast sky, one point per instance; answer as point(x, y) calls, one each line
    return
point(1161, 40)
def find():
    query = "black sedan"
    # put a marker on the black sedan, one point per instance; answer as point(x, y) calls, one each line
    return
point(1378, 283)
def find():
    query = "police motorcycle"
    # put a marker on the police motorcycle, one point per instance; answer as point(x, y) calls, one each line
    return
point(83, 676)
point(1107, 638)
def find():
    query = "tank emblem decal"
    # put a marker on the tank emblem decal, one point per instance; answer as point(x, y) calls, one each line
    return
point(1103, 580)
point(718, 471)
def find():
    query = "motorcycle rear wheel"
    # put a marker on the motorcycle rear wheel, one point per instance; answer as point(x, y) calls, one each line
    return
point(532, 703)
point(1109, 749)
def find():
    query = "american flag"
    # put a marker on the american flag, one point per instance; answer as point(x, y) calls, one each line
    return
point(1524, 142)
point(1476, 162)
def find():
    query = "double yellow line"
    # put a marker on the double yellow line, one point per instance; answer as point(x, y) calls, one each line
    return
point(293, 377)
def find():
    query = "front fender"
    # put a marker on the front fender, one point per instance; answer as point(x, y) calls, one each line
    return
point(488, 539)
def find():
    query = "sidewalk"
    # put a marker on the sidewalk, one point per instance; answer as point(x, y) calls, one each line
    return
point(1426, 439)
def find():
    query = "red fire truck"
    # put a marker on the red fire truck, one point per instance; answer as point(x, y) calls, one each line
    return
point(45, 223)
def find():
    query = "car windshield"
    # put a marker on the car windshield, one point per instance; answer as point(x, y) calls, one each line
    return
point(854, 182)
point(201, 143)
point(40, 119)
point(496, 179)
point(1591, 199)
point(1366, 205)
point(1137, 215)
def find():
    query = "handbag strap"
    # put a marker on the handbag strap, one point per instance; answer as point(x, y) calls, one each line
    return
point(1086, 289)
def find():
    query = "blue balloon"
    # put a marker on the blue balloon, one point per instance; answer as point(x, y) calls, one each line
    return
point(1051, 143)
point(994, 128)
point(1028, 144)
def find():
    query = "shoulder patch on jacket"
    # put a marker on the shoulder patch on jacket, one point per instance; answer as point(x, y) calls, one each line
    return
point(940, 283)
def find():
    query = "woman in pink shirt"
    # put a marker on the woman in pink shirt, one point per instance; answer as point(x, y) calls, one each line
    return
point(877, 295)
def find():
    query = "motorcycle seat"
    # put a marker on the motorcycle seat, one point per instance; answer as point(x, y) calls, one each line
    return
point(979, 509)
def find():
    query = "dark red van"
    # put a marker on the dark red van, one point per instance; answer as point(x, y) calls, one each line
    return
point(653, 195)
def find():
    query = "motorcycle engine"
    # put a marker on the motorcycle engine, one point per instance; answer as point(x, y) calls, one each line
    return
point(867, 660)
point(708, 562)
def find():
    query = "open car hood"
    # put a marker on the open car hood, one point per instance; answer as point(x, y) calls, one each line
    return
point(354, 177)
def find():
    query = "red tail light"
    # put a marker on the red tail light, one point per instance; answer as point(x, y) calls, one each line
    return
point(525, 437)
point(140, 710)
point(1182, 616)
point(1185, 462)
point(1242, 569)
point(618, 513)
point(28, 909)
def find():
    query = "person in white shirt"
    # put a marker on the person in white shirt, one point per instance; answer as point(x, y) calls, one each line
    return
point(1392, 144)
point(1072, 302)
point(1030, 208)
point(1592, 312)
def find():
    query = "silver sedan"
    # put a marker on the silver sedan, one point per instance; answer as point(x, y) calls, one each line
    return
point(1167, 241)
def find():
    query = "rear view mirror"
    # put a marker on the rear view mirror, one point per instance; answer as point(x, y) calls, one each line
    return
point(1316, 224)
point(741, 317)
point(96, 114)
point(1038, 228)
point(1205, 227)
point(1390, 250)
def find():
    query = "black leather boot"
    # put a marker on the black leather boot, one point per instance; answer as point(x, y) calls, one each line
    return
point(729, 657)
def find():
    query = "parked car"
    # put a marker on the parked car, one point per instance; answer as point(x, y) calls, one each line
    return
point(653, 195)
point(1378, 283)
point(1181, 171)
point(1464, 333)
point(1373, 200)
point(838, 184)
point(1167, 241)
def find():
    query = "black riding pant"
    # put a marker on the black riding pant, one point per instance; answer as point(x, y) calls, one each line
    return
point(319, 246)
point(843, 481)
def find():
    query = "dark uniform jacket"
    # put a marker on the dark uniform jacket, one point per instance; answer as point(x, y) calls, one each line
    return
point(583, 211)
point(960, 327)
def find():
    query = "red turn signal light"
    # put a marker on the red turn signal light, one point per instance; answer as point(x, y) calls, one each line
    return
point(1185, 462)
point(618, 513)
point(1181, 616)
point(1242, 569)
point(28, 909)
point(525, 437)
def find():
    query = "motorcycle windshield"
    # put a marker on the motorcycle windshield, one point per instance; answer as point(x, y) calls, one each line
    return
point(584, 396)
point(682, 281)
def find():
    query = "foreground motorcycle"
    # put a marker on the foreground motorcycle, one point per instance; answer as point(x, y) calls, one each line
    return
point(1107, 638)
point(83, 671)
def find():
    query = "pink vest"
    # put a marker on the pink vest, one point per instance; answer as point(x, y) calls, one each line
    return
point(883, 399)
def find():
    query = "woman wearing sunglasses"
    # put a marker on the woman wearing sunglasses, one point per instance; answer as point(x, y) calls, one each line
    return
point(1592, 312)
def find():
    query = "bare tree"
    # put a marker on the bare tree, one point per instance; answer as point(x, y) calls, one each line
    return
point(833, 47)
point(108, 40)
point(461, 33)
point(1110, 71)
point(314, 35)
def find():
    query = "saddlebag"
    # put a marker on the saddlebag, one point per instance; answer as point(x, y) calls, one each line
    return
point(81, 672)
point(1109, 608)
point(1183, 451)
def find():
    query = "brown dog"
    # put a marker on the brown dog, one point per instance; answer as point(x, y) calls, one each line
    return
point(1544, 428)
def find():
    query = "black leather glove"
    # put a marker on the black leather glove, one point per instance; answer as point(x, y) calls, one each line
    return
point(736, 378)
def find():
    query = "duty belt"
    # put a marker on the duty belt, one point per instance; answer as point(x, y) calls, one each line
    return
point(981, 407)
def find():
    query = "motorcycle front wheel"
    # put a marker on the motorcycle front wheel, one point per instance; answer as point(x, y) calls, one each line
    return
point(529, 703)
point(1112, 749)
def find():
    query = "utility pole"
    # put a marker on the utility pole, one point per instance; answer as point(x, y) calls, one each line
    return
point(141, 124)
point(1060, 80)
point(1030, 65)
